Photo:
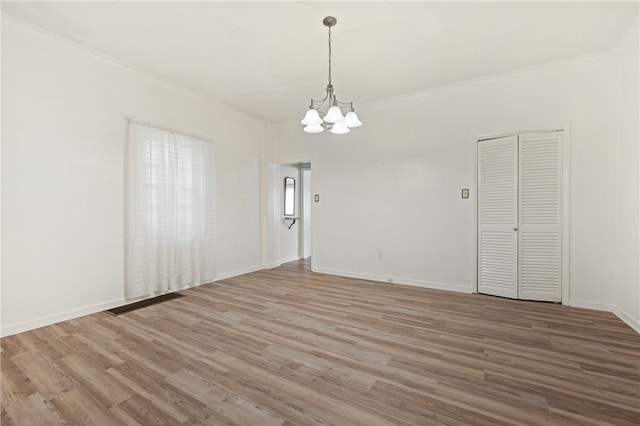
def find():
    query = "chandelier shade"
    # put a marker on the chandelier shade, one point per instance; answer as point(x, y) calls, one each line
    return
point(351, 120)
point(339, 128)
point(334, 114)
point(314, 128)
point(329, 113)
point(311, 117)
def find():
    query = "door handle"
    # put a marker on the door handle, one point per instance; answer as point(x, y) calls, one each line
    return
point(515, 229)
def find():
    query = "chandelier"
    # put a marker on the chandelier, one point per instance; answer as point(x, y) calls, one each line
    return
point(328, 112)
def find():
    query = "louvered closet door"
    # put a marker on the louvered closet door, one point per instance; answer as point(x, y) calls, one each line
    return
point(540, 245)
point(498, 216)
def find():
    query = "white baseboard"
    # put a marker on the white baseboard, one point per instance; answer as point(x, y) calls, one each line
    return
point(609, 307)
point(99, 307)
point(92, 309)
point(63, 316)
point(256, 268)
point(628, 319)
point(237, 272)
point(591, 305)
point(403, 281)
point(8, 330)
point(289, 259)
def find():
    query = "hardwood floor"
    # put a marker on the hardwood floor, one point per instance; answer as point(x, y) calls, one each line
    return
point(285, 346)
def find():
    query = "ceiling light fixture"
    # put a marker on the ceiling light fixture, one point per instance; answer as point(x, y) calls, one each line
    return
point(328, 112)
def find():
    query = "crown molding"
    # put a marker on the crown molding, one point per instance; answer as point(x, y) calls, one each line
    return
point(627, 39)
point(95, 54)
point(492, 77)
point(624, 41)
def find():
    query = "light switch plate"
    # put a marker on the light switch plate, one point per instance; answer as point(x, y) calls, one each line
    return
point(465, 193)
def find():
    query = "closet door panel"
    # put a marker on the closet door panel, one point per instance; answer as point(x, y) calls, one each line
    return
point(498, 216)
point(540, 215)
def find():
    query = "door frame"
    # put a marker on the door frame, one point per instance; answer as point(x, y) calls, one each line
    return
point(305, 211)
point(273, 219)
point(566, 201)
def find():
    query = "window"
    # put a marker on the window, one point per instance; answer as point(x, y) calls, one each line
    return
point(171, 211)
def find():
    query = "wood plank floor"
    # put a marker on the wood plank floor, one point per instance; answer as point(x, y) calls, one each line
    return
point(286, 346)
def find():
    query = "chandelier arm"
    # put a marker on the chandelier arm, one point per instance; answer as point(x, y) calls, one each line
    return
point(319, 106)
point(344, 106)
point(321, 100)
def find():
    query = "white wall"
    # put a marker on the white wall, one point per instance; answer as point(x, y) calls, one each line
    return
point(393, 185)
point(627, 233)
point(289, 237)
point(63, 142)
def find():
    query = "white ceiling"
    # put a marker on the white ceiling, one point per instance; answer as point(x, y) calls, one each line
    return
point(270, 58)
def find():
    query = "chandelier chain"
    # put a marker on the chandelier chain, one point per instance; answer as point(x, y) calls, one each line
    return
point(329, 55)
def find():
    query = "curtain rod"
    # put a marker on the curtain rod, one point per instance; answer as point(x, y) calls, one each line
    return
point(168, 129)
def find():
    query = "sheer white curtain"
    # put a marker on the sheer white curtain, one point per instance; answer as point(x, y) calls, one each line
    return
point(171, 211)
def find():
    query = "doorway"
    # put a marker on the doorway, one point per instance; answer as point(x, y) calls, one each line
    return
point(293, 196)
